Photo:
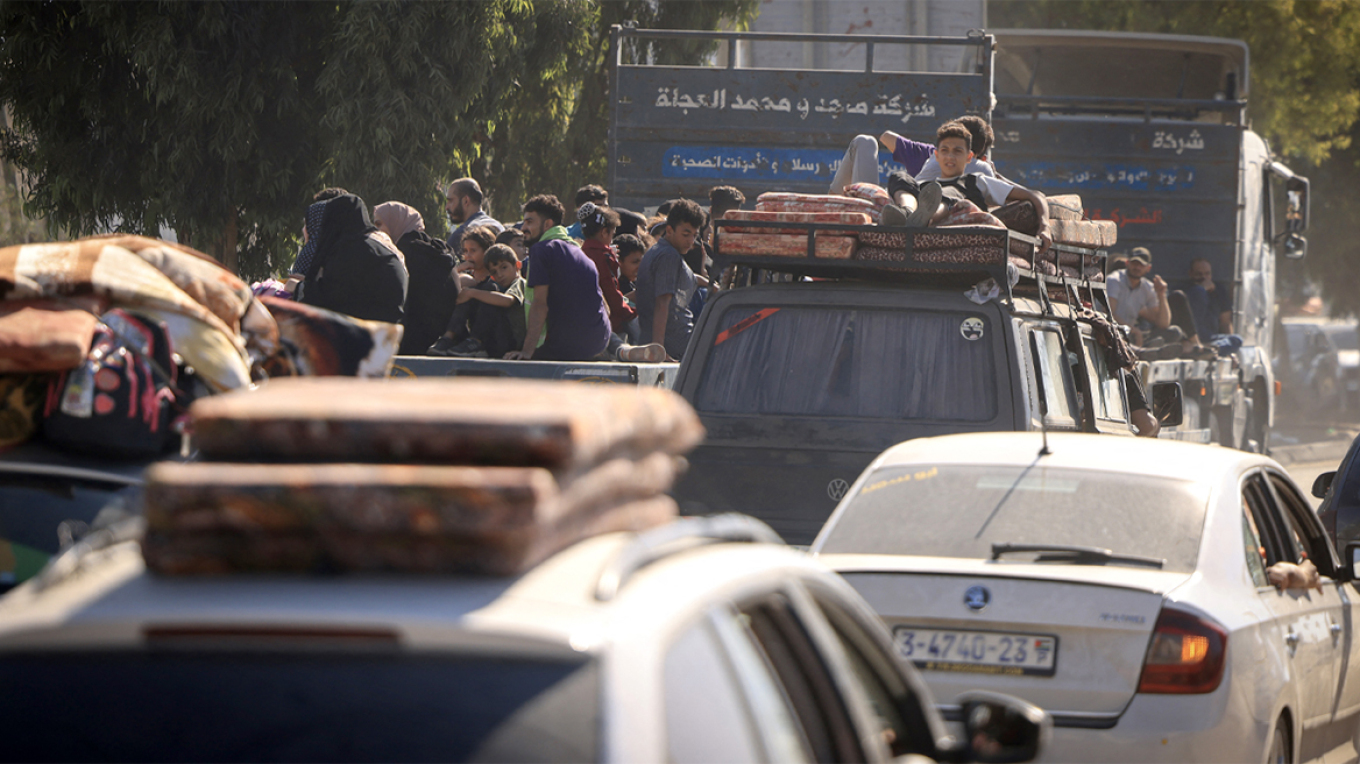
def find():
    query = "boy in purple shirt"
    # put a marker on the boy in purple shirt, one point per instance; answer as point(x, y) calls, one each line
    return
point(566, 291)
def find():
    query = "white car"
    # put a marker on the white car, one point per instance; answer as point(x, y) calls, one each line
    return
point(672, 645)
point(1119, 583)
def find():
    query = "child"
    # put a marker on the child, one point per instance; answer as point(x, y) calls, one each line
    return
point(630, 249)
point(472, 272)
point(498, 325)
point(953, 151)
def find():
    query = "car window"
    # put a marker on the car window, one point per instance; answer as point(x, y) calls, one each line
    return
point(952, 510)
point(779, 728)
point(798, 663)
point(899, 712)
point(1109, 390)
point(1055, 378)
point(1269, 525)
point(706, 716)
point(881, 364)
point(1254, 548)
point(1308, 538)
point(355, 706)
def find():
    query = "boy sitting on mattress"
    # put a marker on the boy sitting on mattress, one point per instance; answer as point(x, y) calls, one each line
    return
point(942, 201)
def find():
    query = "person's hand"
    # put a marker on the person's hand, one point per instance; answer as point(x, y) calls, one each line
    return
point(1045, 241)
point(515, 355)
point(464, 296)
point(1159, 286)
point(463, 267)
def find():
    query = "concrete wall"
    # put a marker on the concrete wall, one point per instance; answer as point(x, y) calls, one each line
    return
point(867, 17)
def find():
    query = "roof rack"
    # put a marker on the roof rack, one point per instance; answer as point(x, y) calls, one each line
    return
point(656, 544)
point(982, 251)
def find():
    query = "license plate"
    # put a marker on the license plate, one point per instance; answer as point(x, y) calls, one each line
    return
point(977, 652)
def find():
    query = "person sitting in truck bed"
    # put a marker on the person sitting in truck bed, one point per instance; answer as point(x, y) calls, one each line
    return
point(498, 325)
point(953, 151)
point(665, 283)
point(860, 164)
point(566, 301)
point(1135, 300)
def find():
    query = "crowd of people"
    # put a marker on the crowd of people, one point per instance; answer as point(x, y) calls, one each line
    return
point(595, 283)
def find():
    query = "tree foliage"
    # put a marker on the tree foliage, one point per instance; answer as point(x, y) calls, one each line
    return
point(1304, 97)
point(221, 118)
point(555, 137)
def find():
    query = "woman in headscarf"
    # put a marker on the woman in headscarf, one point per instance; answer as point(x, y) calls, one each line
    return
point(353, 271)
point(433, 292)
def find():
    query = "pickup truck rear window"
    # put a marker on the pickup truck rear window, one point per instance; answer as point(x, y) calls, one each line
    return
point(296, 706)
point(884, 364)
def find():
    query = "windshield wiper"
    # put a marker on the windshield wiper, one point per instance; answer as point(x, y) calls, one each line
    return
point(1077, 555)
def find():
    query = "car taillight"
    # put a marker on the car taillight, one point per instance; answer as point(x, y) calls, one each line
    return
point(1186, 655)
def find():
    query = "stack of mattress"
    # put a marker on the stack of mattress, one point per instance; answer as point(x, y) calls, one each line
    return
point(793, 241)
point(426, 476)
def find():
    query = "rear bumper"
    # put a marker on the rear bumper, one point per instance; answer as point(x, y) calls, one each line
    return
point(1154, 728)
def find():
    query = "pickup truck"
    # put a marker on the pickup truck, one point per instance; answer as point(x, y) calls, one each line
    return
point(801, 383)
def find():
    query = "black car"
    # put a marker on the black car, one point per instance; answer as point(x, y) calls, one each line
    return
point(1340, 494)
point(49, 498)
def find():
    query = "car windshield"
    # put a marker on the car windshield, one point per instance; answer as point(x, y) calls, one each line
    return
point(246, 706)
point(962, 510)
point(884, 364)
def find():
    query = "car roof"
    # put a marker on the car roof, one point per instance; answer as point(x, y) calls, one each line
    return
point(37, 458)
point(109, 599)
point(1146, 456)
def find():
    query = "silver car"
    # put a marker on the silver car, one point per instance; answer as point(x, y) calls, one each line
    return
point(1120, 583)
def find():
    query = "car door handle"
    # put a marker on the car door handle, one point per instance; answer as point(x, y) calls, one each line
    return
point(1336, 629)
point(1292, 638)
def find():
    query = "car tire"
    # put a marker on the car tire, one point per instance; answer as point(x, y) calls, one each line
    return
point(1279, 750)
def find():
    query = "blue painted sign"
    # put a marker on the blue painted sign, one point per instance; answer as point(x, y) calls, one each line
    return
point(744, 163)
point(1079, 176)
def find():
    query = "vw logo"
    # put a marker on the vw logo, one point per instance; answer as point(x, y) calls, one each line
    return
point(976, 598)
point(836, 489)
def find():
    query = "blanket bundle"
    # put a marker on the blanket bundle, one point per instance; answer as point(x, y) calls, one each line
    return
point(209, 313)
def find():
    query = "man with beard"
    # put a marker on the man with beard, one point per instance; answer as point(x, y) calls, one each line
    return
point(464, 206)
point(566, 290)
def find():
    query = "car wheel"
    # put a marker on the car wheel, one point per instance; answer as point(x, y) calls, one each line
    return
point(1279, 751)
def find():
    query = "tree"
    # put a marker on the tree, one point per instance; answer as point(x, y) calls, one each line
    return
point(554, 138)
point(221, 118)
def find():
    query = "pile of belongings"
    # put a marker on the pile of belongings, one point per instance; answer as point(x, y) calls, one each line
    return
point(793, 242)
point(986, 243)
point(104, 341)
point(413, 475)
point(862, 204)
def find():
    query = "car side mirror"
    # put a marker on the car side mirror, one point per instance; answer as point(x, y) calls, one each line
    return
point(1353, 560)
point(1167, 405)
point(1323, 483)
point(999, 729)
point(1294, 247)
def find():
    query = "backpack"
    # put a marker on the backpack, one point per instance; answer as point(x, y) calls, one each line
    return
point(120, 401)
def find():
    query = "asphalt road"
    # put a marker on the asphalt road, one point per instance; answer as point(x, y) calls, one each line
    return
point(1305, 473)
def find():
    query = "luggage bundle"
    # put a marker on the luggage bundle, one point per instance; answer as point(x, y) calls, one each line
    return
point(421, 475)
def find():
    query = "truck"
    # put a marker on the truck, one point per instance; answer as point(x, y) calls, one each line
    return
point(1152, 131)
point(798, 405)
